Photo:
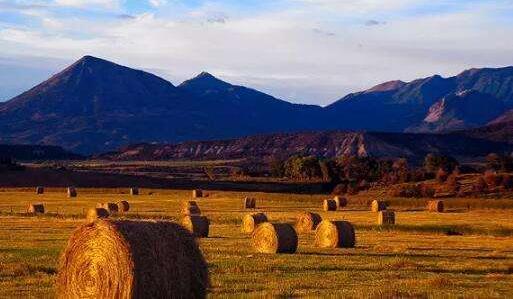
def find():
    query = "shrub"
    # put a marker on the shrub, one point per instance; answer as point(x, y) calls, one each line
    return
point(340, 189)
point(480, 185)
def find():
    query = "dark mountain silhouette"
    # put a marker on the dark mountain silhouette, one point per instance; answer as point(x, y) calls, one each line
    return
point(95, 106)
point(35, 152)
point(325, 144)
point(397, 106)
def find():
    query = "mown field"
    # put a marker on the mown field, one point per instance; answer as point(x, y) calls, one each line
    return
point(416, 258)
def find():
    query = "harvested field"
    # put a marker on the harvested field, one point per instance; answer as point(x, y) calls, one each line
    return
point(421, 256)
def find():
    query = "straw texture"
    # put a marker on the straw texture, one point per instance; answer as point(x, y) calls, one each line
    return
point(435, 206)
point(249, 203)
point(36, 208)
point(96, 213)
point(251, 221)
point(72, 192)
point(341, 201)
point(190, 208)
point(378, 205)
point(197, 225)
point(386, 217)
point(123, 206)
point(329, 205)
point(307, 222)
point(132, 259)
point(334, 234)
point(275, 238)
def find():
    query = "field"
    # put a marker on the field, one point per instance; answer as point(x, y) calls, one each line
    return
point(419, 257)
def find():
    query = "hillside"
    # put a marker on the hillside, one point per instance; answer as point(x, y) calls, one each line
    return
point(326, 144)
point(95, 106)
point(36, 152)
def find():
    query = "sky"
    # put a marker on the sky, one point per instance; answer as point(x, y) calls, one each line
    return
point(303, 51)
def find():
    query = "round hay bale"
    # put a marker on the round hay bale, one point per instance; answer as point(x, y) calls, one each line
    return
point(96, 213)
point(307, 222)
point(275, 238)
point(335, 234)
point(386, 217)
point(435, 206)
point(40, 190)
point(197, 193)
point(191, 208)
point(110, 206)
point(36, 208)
point(329, 205)
point(123, 206)
point(134, 191)
point(251, 221)
point(341, 201)
point(197, 225)
point(132, 259)
point(72, 192)
point(249, 203)
point(378, 205)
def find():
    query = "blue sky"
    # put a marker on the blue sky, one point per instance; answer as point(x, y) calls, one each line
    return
point(306, 51)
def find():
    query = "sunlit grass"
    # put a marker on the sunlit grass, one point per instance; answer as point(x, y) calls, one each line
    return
point(415, 258)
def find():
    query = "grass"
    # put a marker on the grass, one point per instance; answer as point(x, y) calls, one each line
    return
point(413, 259)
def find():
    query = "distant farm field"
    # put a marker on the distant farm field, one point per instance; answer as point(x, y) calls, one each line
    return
point(419, 257)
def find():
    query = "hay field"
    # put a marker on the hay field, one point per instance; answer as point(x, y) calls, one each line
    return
point(415, 258)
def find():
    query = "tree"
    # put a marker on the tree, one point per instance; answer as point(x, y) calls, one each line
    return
point(432, 163)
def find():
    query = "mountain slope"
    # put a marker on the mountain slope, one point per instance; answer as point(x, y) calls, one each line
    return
point(403, 106)
point(467, 109)
point(326, 144)
point(95, 105)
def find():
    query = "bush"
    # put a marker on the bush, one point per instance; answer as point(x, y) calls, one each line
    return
point(441, 175)
point(340, 189)
point(492, 179)
point(480, 186)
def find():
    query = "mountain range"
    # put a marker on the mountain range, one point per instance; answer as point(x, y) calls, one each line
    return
point(95, 105)
point(327, 144)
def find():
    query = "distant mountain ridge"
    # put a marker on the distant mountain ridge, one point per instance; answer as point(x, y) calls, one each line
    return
point(95, 105)
point(324, 144)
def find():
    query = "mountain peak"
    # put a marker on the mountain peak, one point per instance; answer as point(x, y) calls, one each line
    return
point(205, 80)
point(387, 86)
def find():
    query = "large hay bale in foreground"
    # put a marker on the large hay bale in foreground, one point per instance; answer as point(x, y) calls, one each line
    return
point(197, 225)
point(275, 238)
point(123, 206)
point(197, 193)
point(36, 208)
point(329, 205)
point(190, 208)
point(249, 203)
point(134, 191)
point(109, 206)
point(435, 206)
point(72, 192)
point(341, 201)
point(386, 217)
point(335, 234)
point(40, 190)
point(132, 259)
point(251, 221)
point(378, 205)
point(307, 222)
point(97, 213)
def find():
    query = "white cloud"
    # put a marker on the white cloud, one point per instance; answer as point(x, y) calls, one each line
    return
point(112, 4)
point(299, 54)
point(157, 3)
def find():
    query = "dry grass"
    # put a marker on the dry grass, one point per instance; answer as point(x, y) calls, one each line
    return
point(413, 259)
